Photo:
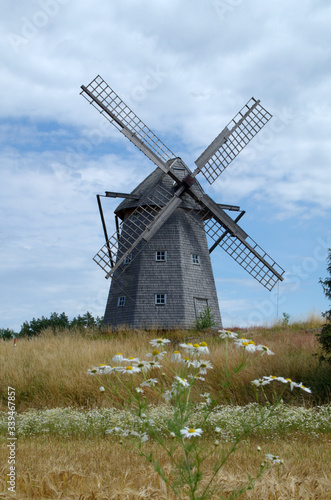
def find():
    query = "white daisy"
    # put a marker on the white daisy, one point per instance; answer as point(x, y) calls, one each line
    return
point(274, 459)
point(154, 364)
point(102, 389)
point(226, 334)
point(204, 365)
point(188, 347)
point(176, 356)
point(188, 433)
point(156, 355)
point(248, 345)
point(129, 369)
point(182, 381)
point(118, 358)
point(149, 383)
point(264, 349)
point(306, 389)
point(158, 342)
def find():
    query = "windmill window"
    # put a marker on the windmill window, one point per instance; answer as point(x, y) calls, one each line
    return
point(121, 301)
point(195, 259)
point(160, 299)
point(161, 256)
point(128, 259)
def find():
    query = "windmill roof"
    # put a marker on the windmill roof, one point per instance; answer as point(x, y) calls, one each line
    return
point(160, 178)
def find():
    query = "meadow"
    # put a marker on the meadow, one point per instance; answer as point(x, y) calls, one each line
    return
point(64, 451)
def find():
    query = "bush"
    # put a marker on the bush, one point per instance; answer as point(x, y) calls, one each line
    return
point(324, 338)
point(205, 319)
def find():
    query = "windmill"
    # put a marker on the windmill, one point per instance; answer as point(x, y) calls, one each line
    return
point(166, 228)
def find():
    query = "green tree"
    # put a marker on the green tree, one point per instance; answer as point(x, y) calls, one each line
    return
point(7, 334)
point(324, 337)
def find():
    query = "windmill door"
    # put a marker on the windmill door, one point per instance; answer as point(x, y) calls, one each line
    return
point(199, 305)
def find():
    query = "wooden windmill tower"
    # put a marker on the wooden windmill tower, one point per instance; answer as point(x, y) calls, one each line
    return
point(159, 256)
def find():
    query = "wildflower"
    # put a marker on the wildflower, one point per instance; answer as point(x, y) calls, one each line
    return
point(149, 383)
point(306, 389)
point(144, 437)
point(188, 433)
point(156, 354)
point(261, 381)
point(186, 361)
point(188, 347)
point(182, 381)
point(197, 377)
point(132, 360)
point(144, 366)
point(274, 459)
point(159, 342)
point(139, 390)
point(168, 395)
point(102, 389)
point(176, 356)
point(248, 345)
point(204, 365)
point(226, 334)
point(154, 364)
point(264, 349)
point(198, 349)
point(118, 358)
point(113, 429)
point(129, 369)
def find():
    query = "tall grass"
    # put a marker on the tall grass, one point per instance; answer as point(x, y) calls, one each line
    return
point(52, 467)
point(50, 370)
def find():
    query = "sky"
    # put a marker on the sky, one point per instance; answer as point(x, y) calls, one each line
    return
point(185, 67)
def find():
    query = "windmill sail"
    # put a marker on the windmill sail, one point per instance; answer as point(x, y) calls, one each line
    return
point(235, 136)
point(110, 105)
point(227, 234)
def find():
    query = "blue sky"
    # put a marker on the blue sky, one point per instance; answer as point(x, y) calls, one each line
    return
point(186, 68)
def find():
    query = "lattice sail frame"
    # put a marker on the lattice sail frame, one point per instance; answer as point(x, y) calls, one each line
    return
point(232, 140)
point(247, 253)
point(125, 242)
point(123, 114)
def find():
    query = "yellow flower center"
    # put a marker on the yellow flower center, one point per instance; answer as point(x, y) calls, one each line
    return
point(119, 354)
point(273, 376)
point(132, 357)
point(102, 365)
point(251, 342)
point(189, 343)
point(155, 352)
point(129, 368)
point(245, 343)
point(289, 380)
point(191, 430)
point(196, 345)
point(203, 344)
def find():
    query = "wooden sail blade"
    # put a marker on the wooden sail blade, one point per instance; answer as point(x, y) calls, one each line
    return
point(246, 252)
point(137, 229)
point(232, 140)
point(109, 104)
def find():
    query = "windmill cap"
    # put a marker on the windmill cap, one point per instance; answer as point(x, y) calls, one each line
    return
point(159, 178)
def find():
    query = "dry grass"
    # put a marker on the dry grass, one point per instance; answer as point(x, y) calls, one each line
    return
point(50, 370)
point(51, 468)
